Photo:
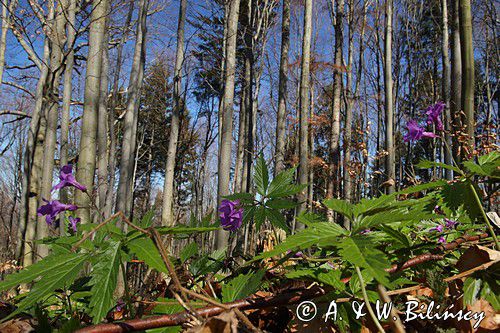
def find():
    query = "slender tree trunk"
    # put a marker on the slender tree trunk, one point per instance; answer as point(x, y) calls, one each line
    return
point(334, 153)
point(348, 117)
point(168, 189)
point(87, 154)
point(456, 76)
point(7, 9)
point(304, 105)
point(69, 8)
point(279, 158)
point(125, 186)
point(446, 88)
point(102, 128)
point(390, 163)
point(226, 124)
point(51, 115)
point(467, 53)
point(240, 152)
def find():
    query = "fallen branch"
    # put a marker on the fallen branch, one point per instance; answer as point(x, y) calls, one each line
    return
point(266, 302)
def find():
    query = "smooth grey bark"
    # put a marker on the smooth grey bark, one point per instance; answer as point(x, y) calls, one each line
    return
point(279, 155)
point(87, 153)
point(102, 128)
point(334, 149)
point(240, 151)
point(456, 76)
point(226, 124)
point(168, 187)
point(347, 189)
point(7, 8)
point(467, 53)
point(390, 162)
point(57, 37)
point(70, 9)
point(304, 105)
point(446, 88)
point(125, 185)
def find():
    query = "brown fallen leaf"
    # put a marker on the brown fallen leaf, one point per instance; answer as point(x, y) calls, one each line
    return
point(491, 321)
point(226, 322)
point(476, 256)
point(18, 325)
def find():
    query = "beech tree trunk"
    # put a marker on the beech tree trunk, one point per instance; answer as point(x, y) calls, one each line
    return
point(390, 161)
point(456, 76)
point(304, 105)
point(282, 92)
point(334, 153)
point(87, 153)
point(446, 88)
point(226, 124)
point(168, 188)
point(467, 53)
point(125, 185)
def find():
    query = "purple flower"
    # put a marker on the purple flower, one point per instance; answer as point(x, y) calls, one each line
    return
point(442, 240)
point(73, 221)
point(366, 231)
point(439, 228)
point(231, 217)
point(450, 224)
point(416, 132)
point(297, 254)
point(52, 209)
point(67, 179)
point(434, 115)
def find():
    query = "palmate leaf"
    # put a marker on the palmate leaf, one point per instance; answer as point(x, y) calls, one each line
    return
point(320, 234)
point(104, 278)
point(242, 286)
point(340, 206)
point(145, 249)
point(360, 251)
point(280, 183)
point(261, 176)
point(54, 276)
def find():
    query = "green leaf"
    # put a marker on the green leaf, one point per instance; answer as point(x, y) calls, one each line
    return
point(281, 204)
point(328, 277)
point(42, 268)
point(396, 235)
point(243, 197)
point(259, 217)
point(423, 187)
point(276, 218)
point(261, 176)
point(320, 234)
point(287, 191)
point(147, 219)
point(104, 279)
point(360, 251)
point(471, 289)
point(55, 276)
point(493, 157)
point(426, 164)
point(242, 286)
point(281, 181)
point(188, 251)
point(146, 250)
point(340, 206)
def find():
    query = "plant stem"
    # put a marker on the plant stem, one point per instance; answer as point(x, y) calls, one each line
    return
point(367, 301)
point(483, 213)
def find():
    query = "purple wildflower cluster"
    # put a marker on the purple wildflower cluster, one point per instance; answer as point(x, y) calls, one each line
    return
point(231, 215)
point(417, 132)
point(449, 225)
point(53, 208)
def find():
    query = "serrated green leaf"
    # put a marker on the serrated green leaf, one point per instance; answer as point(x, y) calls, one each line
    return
point(242, 286)
point(493, 157)
point(145, 249)
point(287, 191)
point(396, 235)
point(360, 251)
point(147, 219)
point(39, 269)
point(426, 164)
point(340, 206)
point(276, 218)
point(261, 176)
point(58, 276)
point(283, 179)
point(104, 279)
point(243, 197)
point(281, 204)
point(259, 217)
point(188, 251)
point(424, 187)
point(319, 234)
